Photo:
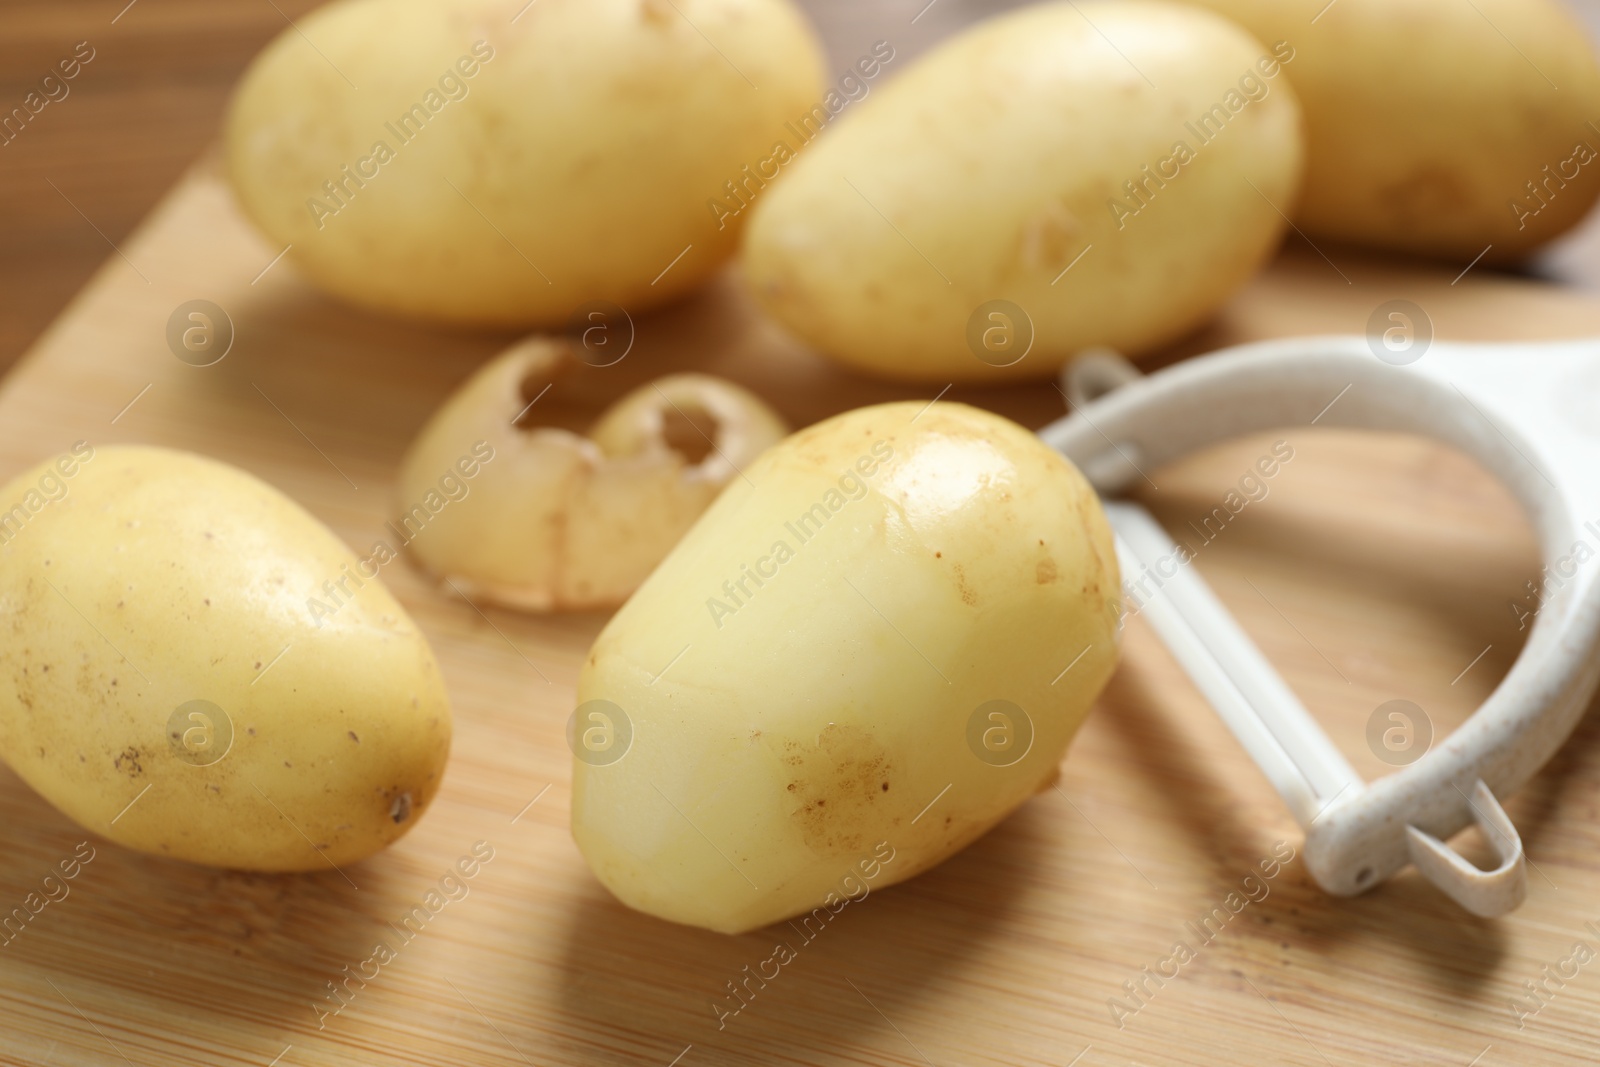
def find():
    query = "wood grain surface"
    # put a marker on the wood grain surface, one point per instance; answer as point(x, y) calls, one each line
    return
point(1378, 567)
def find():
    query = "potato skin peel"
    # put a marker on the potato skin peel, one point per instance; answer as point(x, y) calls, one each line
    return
point(775, 747)
point(558, 521)
point(199, 574)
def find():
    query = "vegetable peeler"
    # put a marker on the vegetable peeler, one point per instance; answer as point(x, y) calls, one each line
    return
point(1530, 414)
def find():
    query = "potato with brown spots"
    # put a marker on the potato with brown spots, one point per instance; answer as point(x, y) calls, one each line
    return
point(495, 162)
point(195, 667)
point(863, 656)
point(1057, 177)
point(1453, 130)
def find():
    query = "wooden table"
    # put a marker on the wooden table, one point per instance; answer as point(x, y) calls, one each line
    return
point(1380, 567)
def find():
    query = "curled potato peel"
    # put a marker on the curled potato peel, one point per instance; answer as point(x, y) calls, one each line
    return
point(556, 520)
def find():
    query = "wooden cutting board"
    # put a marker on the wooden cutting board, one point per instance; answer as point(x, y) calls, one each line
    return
point(1378, 567)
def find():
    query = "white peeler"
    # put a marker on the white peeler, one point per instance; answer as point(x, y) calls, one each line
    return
point(1530, 414)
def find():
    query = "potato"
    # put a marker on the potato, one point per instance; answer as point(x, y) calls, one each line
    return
point(854, 664)
point(506, 167)
point(1439, 128)
point(169, 684)
point(1026, 191)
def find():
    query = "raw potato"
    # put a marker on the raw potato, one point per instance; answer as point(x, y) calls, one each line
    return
point(801, 677)
point(1424, 125)
point(986, 169)
point(554, 520)
point(161, 578)
point(563, 158)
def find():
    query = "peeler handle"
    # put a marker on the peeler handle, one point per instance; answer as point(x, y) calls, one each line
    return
point(1515, 408)
point(1485, 893)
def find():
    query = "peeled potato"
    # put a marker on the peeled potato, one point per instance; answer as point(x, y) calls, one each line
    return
point(465, 161)
point(169, 686)
point(1439, 128)
point(855, 663)
point(1000, 205)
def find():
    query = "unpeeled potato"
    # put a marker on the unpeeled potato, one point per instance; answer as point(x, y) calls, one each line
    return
point(467, 161)
point(1000, 204)
point(197, 668)
point(1439, 128)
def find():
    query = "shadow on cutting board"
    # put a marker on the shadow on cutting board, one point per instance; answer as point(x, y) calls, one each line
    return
point(891, 951)
point(173, 940)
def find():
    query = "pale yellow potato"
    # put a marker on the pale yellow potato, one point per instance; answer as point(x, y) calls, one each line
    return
point(157, 578)
point(1425, 120)
point(566, 157)
point(539, 518)
point(986, 169)
point(791, 692)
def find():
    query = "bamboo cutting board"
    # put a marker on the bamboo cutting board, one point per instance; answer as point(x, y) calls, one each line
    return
point(1376, 568)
